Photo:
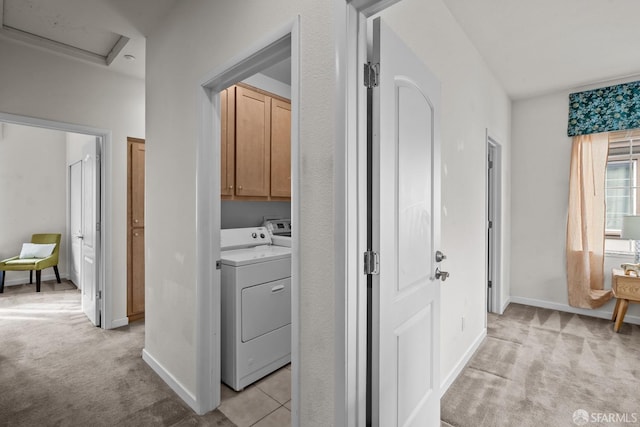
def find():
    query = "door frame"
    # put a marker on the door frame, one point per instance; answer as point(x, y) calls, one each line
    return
point(272, 48)
point(496, 249)
point(69, 230)
point(350, 208)
point(105, 258)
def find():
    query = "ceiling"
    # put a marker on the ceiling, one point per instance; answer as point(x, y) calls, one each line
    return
point(104, 32)
point(535, 47)
point(532, 47)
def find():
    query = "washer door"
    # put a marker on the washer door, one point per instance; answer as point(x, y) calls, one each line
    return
point(265, 308)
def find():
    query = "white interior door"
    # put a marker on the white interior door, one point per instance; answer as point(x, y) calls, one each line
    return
point(406, 223)
point(75, 222)
point(91, 230)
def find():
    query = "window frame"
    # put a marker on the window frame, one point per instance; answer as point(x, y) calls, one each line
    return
point(630, 138)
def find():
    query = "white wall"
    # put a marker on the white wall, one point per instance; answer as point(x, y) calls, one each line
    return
point(40, 84)
point(540, 184)
point(33, 192)
point(472, 101)
point(180, 53)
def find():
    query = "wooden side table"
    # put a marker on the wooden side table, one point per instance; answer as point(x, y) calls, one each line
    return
point(625, 289)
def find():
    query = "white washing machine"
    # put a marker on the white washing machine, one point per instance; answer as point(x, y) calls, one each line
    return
point(256, 306)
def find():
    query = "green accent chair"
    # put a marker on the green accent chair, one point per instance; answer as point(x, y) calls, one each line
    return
point(30, 264)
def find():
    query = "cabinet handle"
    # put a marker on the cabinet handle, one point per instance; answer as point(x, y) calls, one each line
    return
point(231, 187)
point(239, 187)
point(277, 288)
point(135, 220)
point(136, 234)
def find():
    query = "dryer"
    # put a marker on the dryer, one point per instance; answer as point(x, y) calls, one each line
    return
point(256, 306)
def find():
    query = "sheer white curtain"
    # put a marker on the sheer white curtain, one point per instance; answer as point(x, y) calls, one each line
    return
point(586, 222)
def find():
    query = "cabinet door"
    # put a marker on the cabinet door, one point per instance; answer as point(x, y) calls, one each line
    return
point(253, 148)
point(137, 184)
point(136, 291)
point(227, 141)
point(280, 148)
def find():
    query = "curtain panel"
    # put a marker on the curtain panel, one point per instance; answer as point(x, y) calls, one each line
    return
point(586, 222)
point(606, 109)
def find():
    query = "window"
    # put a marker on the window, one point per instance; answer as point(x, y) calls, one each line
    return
point(622, 179)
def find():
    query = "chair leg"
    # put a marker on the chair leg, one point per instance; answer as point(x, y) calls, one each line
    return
point(55, 268)
point(30, 276)
point(38, 273)
point(2, 281)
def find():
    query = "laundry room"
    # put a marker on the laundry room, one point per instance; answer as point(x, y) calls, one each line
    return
point(255, 222)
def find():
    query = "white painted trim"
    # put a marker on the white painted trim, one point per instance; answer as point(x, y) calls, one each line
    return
point(462, 362)
point(267, 51)
point(171, 381)
point(106, 200)
point(497, 226)
point(505, 304)
point(118, 323)
point(601, 314)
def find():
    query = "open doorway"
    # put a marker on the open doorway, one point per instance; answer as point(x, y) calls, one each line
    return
point(255, 195)
point(493, 168)
point(272, 50)
point(75, 144)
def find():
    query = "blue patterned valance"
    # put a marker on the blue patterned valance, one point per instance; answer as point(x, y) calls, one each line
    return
point(603, 110)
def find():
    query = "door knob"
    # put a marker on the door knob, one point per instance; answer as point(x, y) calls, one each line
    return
point(440, 256)
point(442, 275)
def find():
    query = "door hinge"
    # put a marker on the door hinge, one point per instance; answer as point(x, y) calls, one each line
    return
point(98, 226)
point(218, 264)
point(490, 164)
point(371, 262)
point(490, 224)
point(99, 295)
point(490, 283)
point(371, 74)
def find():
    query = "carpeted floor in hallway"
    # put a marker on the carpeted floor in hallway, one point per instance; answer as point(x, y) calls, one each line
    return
point(56, 369)
point(540, 367)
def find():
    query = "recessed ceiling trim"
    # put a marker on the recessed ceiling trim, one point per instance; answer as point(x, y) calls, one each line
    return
point(52, 45)
point(117, 48)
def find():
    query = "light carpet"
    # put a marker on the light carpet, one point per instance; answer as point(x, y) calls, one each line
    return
point(56, 369)
point(540, 367)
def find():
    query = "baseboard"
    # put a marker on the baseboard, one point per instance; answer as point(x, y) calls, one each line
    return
point(171, 381)
point(602, 314)
point(118, 323)
point(505, 305)
point(462, 363)
point(23, 278)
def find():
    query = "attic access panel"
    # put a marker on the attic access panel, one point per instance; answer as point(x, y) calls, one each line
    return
point(45, 22)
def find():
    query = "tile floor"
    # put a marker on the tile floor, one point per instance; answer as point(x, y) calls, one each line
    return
point(266, 403)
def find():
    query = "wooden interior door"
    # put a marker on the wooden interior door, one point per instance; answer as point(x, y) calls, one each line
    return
point(253, 147)
point(280, 148)
point(135, 226)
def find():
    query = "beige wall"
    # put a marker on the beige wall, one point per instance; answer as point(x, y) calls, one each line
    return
point(33, 193)
point(44, 85)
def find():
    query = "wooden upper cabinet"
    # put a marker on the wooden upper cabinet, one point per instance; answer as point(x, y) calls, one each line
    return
point(137, 185)
point(280, 148)
point(255, 145)
point(227, 141)
point(253, 148)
